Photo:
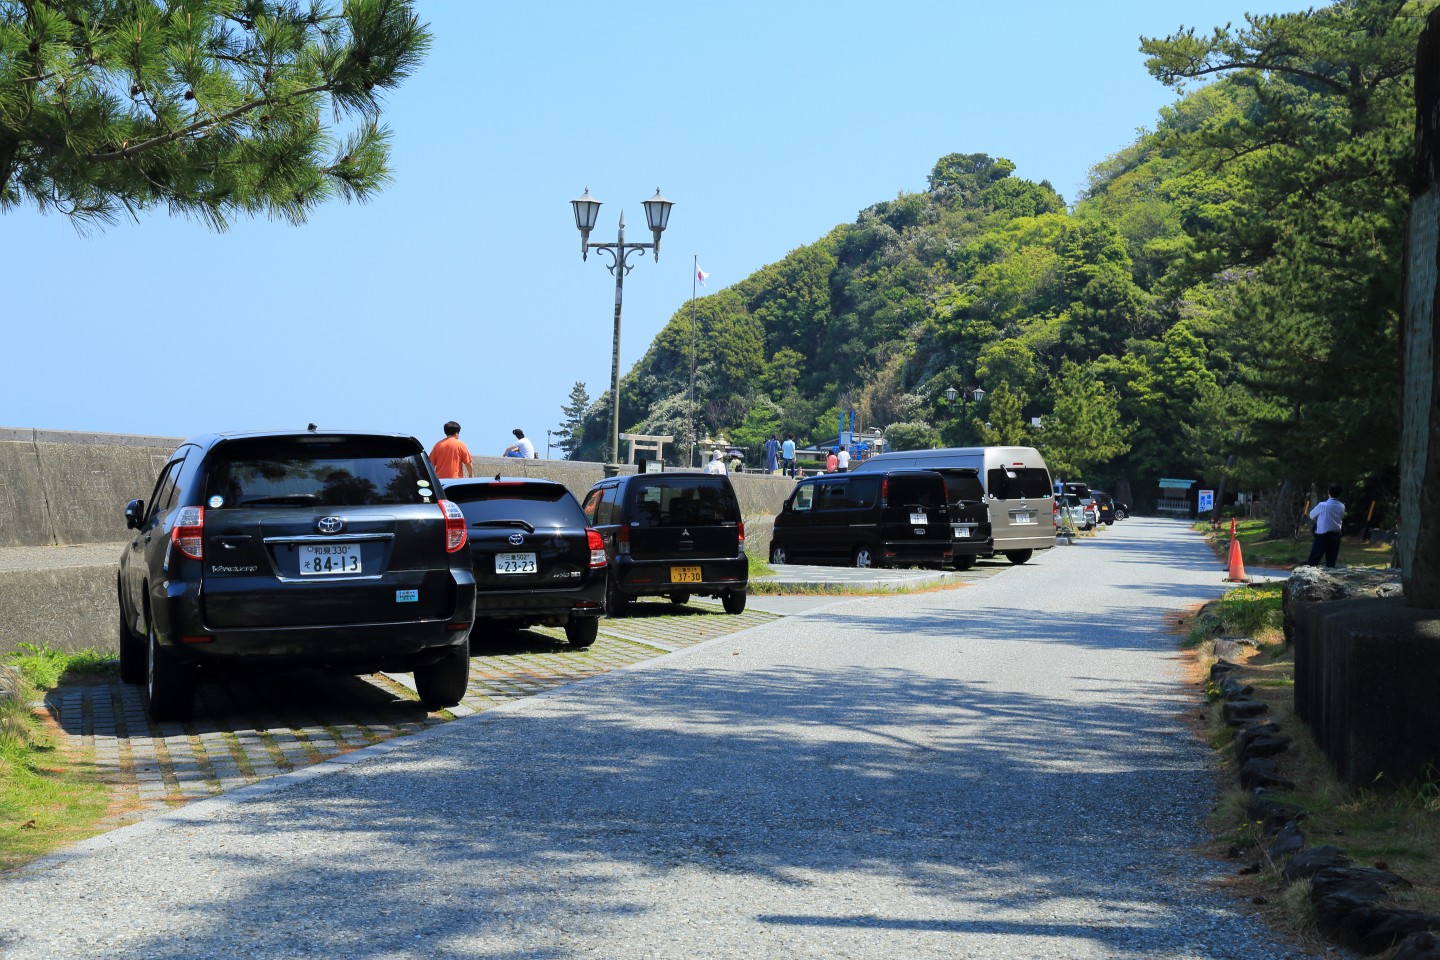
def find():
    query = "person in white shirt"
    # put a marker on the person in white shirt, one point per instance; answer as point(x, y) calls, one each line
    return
point(842, 459)
point(1327, 515)
point(716, 464)
point(522, 447)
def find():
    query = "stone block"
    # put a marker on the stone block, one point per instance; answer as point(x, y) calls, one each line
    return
point(1366, 672)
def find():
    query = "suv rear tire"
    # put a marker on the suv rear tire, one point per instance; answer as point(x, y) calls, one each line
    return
point(132, 652)
point(582, 633)
point(169, 682)
point(443, 683)
point(734, 601)
point(616, 603)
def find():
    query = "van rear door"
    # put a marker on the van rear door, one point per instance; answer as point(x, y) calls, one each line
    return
point(674, 517)
point(1021, 508)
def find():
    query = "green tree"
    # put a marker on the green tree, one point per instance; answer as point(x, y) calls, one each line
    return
point(572, 423)
point(207, 108)
point(1084, 429)
point(1005, 424)
point(911, 436)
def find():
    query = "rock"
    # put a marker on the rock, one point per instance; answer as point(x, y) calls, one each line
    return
point(1361, 882)
point(1393, 926)
point(1255, 730)
point(1309, 862)
point(1232, 689)
point(1232, 648)
point(1271, 814)
point(1235, 711)
point(1420, 946)
point(1288, 842)
point(1262, 747)
point(1263, 773)
point(1321, 584)
point(1219, 667)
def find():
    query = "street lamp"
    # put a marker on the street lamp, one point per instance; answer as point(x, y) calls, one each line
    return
point(657, 216)
point(966, 396)
point(548, 435)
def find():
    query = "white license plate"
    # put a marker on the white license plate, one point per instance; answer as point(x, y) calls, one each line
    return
point(329, 559)
point(515, 563)
point(919, 518)
point(1023, 517)
point(961, 533)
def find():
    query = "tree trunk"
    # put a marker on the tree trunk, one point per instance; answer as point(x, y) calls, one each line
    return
point(1419, 539)
point(1285, 510)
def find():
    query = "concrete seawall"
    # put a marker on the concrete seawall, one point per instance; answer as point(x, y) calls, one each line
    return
point(61, 491)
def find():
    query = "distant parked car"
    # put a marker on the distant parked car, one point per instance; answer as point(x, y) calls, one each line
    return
point(535, 558)
point(1105, 504)
point(878, 519)
point(672, 534)
point(284, 549)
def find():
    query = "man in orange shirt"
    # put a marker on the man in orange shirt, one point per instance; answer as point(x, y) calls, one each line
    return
point(451, 457)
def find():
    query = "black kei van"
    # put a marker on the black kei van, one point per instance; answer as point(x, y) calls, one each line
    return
point(670, 534)
point(971, 533)
point(880, 519)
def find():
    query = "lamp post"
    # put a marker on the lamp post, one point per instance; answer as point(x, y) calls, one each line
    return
point(966, 396)
point(657, 216)
point(548, 435)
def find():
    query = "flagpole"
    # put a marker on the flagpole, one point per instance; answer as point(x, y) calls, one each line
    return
point(694, 276)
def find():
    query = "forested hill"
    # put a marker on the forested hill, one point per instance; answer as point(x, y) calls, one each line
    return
point(1220, 304)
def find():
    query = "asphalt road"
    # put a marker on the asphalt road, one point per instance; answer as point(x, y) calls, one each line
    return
point(996, 771)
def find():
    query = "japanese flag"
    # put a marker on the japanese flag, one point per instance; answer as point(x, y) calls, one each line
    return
point(701, 275)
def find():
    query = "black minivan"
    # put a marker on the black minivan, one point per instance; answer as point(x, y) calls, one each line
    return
point(670, 534)
point(894, 518)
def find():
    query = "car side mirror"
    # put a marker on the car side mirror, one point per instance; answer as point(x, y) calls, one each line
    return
point(134, 513)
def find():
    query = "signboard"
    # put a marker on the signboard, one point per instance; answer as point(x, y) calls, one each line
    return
point(1207, 501)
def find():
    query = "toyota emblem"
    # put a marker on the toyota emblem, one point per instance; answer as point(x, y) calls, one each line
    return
point(330, 525)
point(516, 539)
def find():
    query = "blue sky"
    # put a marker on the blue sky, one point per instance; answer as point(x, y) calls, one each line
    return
point(460, 293)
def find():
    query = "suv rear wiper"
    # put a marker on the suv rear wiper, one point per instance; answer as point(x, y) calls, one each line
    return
point(528, 527)
point(288, 499)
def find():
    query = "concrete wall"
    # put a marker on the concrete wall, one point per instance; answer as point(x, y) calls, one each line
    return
point(1366, 672)
point(63, 488)
point(59, 489)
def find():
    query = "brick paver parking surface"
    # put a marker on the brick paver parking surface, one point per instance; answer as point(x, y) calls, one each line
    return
point(248, 727)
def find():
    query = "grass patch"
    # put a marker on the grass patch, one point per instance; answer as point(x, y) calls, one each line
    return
point(49, 796)
point(1396, 829)
point(1284, 553)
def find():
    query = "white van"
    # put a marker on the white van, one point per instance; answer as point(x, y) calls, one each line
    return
point(1017, 485)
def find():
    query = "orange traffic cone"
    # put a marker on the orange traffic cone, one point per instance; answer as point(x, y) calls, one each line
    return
point(1237, 564)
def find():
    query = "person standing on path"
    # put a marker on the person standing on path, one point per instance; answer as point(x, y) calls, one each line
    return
point(842, 459)
point(521, 448)
point(772, 454)
point(1328, 515)
point(832, 460)
point(450, 456)
point(787, 455)
point(716, 464)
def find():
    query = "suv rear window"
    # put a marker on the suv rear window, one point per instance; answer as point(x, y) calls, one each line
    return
point(317, 471)
point(1019, 483)
point(677, 501)
point(963, 485)
point(920, 490)
point(539, 504)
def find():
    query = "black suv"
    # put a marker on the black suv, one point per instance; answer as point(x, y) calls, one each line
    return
point(535, 559)
point(874, 519)
point(970, 528)
point(670, 534)
point(330, 550)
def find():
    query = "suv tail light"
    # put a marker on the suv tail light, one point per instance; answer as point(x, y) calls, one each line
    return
point(455, 534)
point(884, 491)
point(596, 543)
point(622, 540)
point(740, 530)
point(188, 534)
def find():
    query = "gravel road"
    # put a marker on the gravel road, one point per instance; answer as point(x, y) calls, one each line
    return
point(994, 772)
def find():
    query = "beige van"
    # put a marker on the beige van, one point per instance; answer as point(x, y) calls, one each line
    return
point(1017, 484)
